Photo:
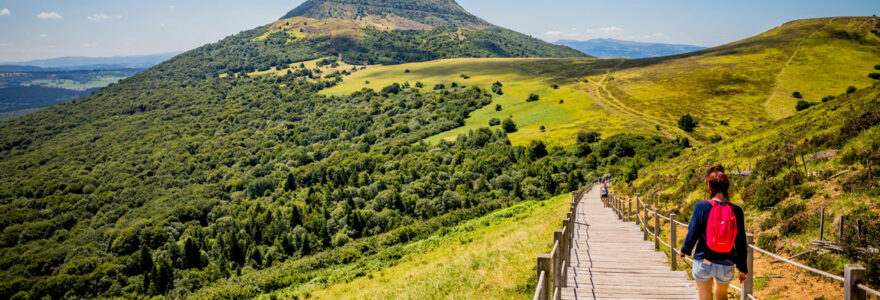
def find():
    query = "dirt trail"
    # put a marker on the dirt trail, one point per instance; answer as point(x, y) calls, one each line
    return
point(788, 63)
point(600, 95)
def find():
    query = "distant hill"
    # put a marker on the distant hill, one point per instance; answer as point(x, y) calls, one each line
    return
point(432, 13)
point(627, 49)
point(73, 63)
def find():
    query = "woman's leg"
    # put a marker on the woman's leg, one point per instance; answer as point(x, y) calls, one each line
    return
point(705, 289)
point(721, 290)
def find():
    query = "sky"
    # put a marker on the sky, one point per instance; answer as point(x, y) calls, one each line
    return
point(38, 29)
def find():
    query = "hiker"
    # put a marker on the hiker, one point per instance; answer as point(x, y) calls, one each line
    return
point(717, 229)
point(603, 191)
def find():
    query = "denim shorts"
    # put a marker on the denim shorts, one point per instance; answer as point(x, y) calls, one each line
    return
point(703, 271)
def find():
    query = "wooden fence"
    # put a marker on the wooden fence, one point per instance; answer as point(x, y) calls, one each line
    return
point(852, 279)
point(552, 268)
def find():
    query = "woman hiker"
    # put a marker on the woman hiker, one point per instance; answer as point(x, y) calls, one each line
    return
point(717, 229)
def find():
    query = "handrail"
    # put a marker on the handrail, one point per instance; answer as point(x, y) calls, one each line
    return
point(540, 288)
point(648, 211)
point(869, 290)
point(817, 271)
point(555, 264)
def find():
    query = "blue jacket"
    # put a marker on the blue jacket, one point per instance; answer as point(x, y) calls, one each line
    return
point(697, 232)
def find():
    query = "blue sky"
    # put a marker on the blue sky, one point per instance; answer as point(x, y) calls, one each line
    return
point(34, 29)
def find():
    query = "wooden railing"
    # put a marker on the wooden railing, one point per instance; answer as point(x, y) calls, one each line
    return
point(552, 268)
point(852, 279)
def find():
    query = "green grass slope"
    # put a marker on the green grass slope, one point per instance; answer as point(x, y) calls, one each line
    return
point(781, 198)
point(519, 77)
point(744, 84)
point(489, 256)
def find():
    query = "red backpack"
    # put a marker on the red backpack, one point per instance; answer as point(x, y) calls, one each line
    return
point(721, 227)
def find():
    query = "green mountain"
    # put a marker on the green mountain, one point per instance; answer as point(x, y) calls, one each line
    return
point(433, 13)
point(194, 173)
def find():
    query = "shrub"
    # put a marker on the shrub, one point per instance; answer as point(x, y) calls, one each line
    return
point(802, 105)
point(542, 128)
point(561, 101)
point(439, 86)
point(768, 222)
point(533, 97)
point(419, 84)
point(807, 191)
point(587, 137)
point(851, 89)
point(715, 138)
point(497, 107)
point(789, 211)
point(687, 123)
point(394, 88)
point(797, 95)
point(508, 125)
point(765, 194)
point(724, 123)
point(767, 241)
point(555, 86)
point(494, 122)
point(538, 149)
point(827, 98)
point(770, 165)
point(463, 76)
point(877, 67)
point(874, 75)
point(406, 71)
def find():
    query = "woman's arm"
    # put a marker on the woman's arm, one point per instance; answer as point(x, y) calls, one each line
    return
point(691, 239)
point(740, 244)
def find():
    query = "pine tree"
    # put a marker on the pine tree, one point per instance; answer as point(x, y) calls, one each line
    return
point(163, 277)
point(192, 255)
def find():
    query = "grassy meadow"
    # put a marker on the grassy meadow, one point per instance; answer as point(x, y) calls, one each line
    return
point(488, 257)
point(520, 78)
point(728, 89)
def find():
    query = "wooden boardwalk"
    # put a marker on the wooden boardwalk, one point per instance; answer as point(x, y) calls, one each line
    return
point(611, 260)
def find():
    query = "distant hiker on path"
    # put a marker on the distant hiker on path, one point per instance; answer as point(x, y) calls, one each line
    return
point(717, 229)
point(603, 191)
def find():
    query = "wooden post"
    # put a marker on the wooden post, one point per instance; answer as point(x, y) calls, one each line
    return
point(842, 218)
point(629, 208)
point(558, 236)
point(672, 254)
point(852, 276)
point(750, 259)
point(822, 224)
point(566, 255)
point(656, 230)
point(804, 161)
point(859, 230)
point(544, 267)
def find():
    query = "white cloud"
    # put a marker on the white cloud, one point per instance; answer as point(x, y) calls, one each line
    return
point(654, 36)
point(103, 17)
point(170, 6)
point(5, 12)
point(51, 15)
point(43, 36)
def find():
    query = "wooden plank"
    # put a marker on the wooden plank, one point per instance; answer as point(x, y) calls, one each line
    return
point(611, 260)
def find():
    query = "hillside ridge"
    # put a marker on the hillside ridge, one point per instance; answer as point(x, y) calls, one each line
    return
point(434, 13)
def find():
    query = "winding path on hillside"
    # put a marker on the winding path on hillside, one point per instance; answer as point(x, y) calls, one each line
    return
point(610, 260)
point(600, 95)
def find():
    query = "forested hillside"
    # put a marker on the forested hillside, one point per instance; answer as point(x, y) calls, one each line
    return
point(177, 178)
